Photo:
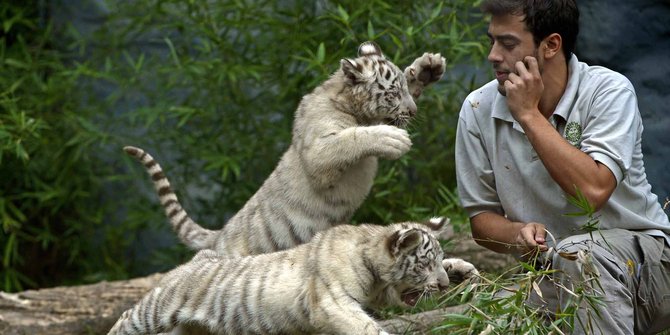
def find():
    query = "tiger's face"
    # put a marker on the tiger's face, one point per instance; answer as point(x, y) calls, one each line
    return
point(417, 269)
point(394, 104)
point(378, 88)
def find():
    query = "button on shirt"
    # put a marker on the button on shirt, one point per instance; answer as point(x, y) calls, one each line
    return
point(499, 171)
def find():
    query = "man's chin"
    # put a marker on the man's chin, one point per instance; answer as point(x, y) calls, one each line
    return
point(501, 90)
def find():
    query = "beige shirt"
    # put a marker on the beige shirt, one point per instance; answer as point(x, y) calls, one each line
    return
point(498, 170)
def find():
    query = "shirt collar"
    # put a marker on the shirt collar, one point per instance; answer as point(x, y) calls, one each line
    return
point(501, 111)
point(568, 98)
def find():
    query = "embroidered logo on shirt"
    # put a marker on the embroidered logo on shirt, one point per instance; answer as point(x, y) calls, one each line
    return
point(573, 133)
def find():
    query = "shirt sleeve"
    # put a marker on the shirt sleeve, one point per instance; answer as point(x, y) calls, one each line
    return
point(474, 175)
point(613, 129)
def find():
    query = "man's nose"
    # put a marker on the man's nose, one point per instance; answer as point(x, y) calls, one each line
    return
point(494, 55)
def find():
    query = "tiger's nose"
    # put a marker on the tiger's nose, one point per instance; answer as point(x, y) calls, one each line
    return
point(411, 108)
point(442, 280)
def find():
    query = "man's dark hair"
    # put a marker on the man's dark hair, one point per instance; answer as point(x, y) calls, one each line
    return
point(543, 18)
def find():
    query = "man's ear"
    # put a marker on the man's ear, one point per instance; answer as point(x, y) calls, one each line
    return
point(551, 45)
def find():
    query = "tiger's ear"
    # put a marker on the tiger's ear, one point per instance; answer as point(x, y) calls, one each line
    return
point(369, 48)
point(402, 241)
point(437, 223)
point(440, 228)
point(353, 71)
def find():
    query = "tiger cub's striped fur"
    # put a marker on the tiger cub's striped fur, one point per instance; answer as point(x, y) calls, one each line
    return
point(322, 286)
point(339, 131)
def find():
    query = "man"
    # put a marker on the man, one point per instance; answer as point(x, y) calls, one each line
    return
point(550, 127)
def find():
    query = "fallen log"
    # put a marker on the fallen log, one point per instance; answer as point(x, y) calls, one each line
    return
point(420, 323)
point(93, 309)
point(85, 309)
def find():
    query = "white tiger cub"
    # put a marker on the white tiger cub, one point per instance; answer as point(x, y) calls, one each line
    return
point(339, 131)
point(318, 287)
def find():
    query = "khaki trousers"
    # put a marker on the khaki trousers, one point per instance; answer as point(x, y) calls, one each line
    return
point(633, 271)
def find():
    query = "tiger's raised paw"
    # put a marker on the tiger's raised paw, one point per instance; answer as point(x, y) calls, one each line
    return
point(390, 142)
point(459, 270)
point(425, 70)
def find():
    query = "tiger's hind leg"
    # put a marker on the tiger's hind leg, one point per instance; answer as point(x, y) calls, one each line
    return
point(142, 318)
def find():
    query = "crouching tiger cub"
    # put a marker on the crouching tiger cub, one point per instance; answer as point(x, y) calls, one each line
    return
point(318, 287)
point(339, 131)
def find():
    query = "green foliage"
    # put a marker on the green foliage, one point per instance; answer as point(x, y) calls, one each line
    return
point(209, 88)
point(512, 302)
point(586, 209)
point(49, 188)
point(499, 304)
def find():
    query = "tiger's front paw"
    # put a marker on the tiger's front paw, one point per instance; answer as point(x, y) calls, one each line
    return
point(459, 270)
point(425, 70)
point(389, 142)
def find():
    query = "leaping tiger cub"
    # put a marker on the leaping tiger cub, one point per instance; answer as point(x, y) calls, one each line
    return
point(339, 132)
point(318, 287)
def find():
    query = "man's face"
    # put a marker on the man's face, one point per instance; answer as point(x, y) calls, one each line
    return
point(510, 43)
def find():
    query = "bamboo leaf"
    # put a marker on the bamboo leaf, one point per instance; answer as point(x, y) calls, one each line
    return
point(321, 53)
point(173, 52)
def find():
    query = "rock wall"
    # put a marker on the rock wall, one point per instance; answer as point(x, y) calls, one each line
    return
point(633, 38)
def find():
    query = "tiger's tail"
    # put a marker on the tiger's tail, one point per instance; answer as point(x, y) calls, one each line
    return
point(189, 232)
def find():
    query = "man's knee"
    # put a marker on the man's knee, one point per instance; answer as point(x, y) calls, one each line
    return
point(581, 257)
point(611, 255)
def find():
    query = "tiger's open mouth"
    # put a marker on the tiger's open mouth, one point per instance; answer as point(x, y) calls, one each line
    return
point(411, 297)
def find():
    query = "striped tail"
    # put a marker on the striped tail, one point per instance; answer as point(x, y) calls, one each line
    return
point(189, 232)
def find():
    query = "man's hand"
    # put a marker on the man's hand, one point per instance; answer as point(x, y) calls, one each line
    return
point(498, 233)
point(531, 238)
point(524, 89)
